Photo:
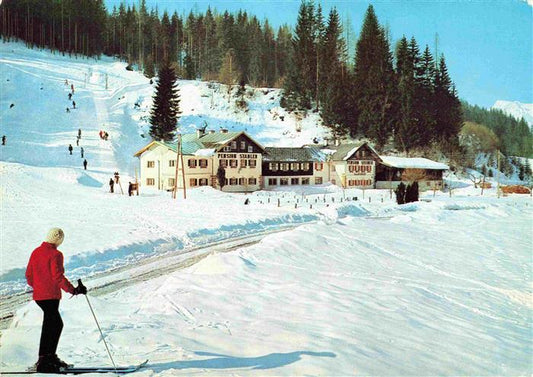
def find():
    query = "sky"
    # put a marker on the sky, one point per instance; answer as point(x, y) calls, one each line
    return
point(488, 45)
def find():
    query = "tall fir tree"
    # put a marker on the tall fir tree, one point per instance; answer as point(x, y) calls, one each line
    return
point(299, 87)
point(404, 137)
point(374, 79)
point(425, 99)
point(165, 111)
point(448, 113)
point(334, 79)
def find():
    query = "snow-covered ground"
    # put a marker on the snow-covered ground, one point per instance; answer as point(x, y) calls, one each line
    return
point(366, 287)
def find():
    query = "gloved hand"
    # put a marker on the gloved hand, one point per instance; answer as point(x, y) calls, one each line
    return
point(80, 289)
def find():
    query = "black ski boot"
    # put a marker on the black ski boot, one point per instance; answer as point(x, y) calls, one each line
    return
point(62, 365)
point(47, 364)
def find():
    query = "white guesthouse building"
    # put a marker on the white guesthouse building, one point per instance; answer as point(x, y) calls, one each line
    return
point(250, 167)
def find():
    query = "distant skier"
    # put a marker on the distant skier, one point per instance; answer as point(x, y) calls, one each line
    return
point(81, 150)
point(78, 141)
point(72, 88)
point(45, 274)
point(70, 148)
point(4, 140)
point(130, 188)
point(12, 105)
point(68, 110)
point(117, 177)
point(85, 164)
point(111, 184)
point(73, 104)
point(79, 133)
point(69, 96)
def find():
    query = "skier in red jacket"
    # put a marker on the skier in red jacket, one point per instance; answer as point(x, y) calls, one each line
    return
point(45, 274)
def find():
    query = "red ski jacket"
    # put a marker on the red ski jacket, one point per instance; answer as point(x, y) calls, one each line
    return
point(45, 273)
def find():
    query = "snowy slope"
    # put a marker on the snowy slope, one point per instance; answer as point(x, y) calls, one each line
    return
point(352, 297)
point(439, 287)
point(516, 109)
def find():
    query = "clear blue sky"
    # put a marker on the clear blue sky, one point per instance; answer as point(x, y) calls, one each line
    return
point(488, 44)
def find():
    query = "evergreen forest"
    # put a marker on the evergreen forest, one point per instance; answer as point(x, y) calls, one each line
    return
point(396, 94)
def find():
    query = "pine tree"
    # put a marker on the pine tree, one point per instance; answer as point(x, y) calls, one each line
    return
point(375, 81)
point(299, 87)
point(405, 138)
point(425, 99)
point(165, 109)
point(448, 112)
point(400, 192)
point(335, 82)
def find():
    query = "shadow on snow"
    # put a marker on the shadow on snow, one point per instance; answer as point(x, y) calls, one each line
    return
point(272, 360)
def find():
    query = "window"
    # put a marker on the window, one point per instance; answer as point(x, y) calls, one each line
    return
point(202, 182)
point(150, 181)
point(223, 163)
point(244, 163)
point(319, 165)
point(243, 145)
point(150, 164)
point(295, 181)
point(272, 181)
point(192, 163)
point(171, 163)
point(252, 181)
point(318, 180)
point(171, 182)
point(242, 181)
point(273, 166)
point(203, 163)
point(284, 181)
point(233, 144)
point(252, 163)
point(250, 149)
point(227, 148)
point(305, 181)
point(193, 182)
point(295, 166)
point(232, 163)
point(284, 166)
point(233, 181)
point(305, 165)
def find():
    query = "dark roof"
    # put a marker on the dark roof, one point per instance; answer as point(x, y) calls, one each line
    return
point(287, 154)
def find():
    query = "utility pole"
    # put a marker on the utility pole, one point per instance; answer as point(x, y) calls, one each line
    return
point(498, 178)
point(179, 158)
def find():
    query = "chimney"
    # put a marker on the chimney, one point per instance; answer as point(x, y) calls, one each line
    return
point(199, 133)
point(223, 130)
point(211, 131)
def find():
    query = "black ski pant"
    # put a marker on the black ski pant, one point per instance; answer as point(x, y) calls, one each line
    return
point(52, 327)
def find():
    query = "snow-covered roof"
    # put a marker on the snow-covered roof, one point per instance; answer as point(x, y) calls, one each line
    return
point(412, 163)
point(205, 152)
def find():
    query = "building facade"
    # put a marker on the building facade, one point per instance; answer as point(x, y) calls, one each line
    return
point(251, 167)
point(202, 154)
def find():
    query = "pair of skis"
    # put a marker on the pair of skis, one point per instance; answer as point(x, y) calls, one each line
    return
point(82, 370)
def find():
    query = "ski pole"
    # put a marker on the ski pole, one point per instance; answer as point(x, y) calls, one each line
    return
point(98, 325)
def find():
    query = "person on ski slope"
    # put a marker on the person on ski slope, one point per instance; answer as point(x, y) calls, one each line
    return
point(45, 274)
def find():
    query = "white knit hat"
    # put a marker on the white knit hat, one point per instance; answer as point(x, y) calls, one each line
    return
point(55, 236)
